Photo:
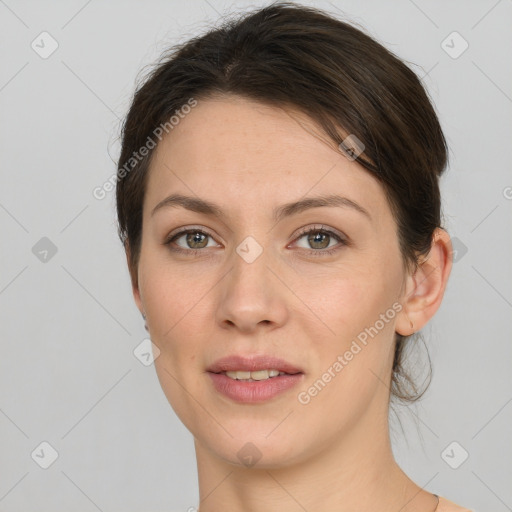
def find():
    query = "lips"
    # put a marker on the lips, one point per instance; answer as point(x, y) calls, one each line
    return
point(253, 364)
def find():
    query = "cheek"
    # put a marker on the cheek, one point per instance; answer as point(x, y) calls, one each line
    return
point(175, 302)
point(174, 297)
point(359, 307)
point(345, 301)
point(353, 365)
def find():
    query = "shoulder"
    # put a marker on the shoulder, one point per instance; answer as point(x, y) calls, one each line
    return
point(448, 506)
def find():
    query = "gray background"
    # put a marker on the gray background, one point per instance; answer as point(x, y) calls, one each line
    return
point(68, 374)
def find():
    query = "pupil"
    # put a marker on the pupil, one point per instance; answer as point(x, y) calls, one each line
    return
point(317, 238)
point(194, 238)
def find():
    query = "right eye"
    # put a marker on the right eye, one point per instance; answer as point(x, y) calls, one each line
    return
point(194, 237)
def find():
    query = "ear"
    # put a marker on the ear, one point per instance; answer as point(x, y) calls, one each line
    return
point(425, 288)
point(134, 279)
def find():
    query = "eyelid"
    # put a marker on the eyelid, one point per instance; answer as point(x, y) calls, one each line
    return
point(320, 227)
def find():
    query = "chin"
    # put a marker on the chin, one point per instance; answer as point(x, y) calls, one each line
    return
point(252, 449)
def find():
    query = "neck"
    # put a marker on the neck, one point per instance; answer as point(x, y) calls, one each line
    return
point(354, 471)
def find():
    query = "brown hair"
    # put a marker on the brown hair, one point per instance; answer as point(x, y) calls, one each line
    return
point(296, 56)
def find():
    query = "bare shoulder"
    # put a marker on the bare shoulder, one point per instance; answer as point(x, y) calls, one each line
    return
point(448, 506)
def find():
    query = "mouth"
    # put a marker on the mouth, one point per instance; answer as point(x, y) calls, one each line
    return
point(254, 378)
point(255, 367)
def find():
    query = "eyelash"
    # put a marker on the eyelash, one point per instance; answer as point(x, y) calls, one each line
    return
point(302, 233)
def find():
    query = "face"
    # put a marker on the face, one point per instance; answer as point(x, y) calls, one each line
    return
point(240, 280)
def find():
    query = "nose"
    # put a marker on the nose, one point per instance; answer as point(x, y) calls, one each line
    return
point(252, 295)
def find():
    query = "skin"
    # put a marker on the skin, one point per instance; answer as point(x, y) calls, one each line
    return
point(333, 453)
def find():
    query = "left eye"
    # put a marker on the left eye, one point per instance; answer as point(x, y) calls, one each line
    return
point(319, 239)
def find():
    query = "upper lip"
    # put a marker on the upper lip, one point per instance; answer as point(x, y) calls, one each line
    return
point(251, 364)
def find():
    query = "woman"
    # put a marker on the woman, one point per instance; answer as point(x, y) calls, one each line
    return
point(278, 200)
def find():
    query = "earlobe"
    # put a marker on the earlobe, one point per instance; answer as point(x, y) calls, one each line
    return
point(425, 288)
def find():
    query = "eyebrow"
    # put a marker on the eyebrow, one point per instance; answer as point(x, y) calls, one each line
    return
point(198, 205)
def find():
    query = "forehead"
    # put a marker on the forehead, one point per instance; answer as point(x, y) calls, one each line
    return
point(246, 129)
point(246, 153)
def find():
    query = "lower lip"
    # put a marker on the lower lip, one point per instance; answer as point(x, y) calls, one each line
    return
point(251, 392)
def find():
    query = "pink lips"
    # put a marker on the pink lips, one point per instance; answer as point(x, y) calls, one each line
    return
point(252, 364)
point(252, 392)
